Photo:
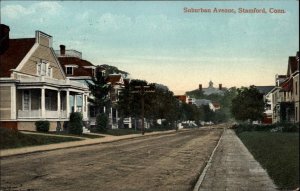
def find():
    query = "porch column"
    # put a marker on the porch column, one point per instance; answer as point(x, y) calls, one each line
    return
point(68, 103)
point(58, 103)
point(75, 103)
point(84, 106)
point(43, 112)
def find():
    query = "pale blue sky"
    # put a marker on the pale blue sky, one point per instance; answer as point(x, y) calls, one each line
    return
point(158, 42)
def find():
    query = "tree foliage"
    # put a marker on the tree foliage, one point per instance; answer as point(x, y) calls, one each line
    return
point(248, 104)
point(99, 89)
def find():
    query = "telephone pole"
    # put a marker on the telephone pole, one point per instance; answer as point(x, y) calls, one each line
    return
point(142, 90)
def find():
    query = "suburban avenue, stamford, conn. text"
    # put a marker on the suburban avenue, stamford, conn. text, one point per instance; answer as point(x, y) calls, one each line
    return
point(234, 11)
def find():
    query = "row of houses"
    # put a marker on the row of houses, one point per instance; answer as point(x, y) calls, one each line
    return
point(282, 101)
point(39, 83)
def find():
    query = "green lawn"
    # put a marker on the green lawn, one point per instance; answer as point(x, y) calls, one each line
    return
point(119, 132)
point(278, 153)
point(90, 136)
point(15, 139)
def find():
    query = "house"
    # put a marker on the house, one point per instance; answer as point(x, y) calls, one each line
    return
point(294, 73)
point(267, 96)
point(117, 82)
point(285, 99)
point(211, 89)
point(33, 84)
point(79, 70)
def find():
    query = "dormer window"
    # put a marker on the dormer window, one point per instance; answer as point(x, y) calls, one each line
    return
point(69, 70)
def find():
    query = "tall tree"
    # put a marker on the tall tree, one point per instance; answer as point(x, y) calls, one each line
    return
point(99, 90)
point(248, 104)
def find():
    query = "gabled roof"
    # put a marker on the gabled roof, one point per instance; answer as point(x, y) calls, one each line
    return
point(15, 53)
point(81, 70)
point(292, 66)
point(114, 79)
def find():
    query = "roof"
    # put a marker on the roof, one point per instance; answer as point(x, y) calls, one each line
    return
point(287, 85)
point(216, 105)
point(182, 98)
point(293, 65)
point(114, 78)
point(80, 71)
point(17, 50)
point(264, 89)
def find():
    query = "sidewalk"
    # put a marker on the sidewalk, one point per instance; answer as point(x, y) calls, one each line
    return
point(233, 168)
point(84, 142)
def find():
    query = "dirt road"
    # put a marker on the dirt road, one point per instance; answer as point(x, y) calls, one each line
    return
point(164, 162)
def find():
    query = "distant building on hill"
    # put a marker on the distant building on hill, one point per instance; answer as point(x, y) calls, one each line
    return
point(211, 89)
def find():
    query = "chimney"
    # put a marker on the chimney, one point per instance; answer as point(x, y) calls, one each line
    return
point(220, 86)
point(62, 50)
point(200, 87)
point(4, 38)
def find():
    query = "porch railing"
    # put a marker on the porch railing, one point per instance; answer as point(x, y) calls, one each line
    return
point(29, 114)
point(38, 114)
point(50, 80)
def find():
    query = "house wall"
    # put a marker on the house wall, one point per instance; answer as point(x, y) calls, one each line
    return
point(5, 102)
point(296, 95)
point(30, 125)
point(44, 53)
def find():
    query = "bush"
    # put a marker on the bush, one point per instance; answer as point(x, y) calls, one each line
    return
point(75, 124)
point(42, 126)
point(101, 122)
point(277, 127)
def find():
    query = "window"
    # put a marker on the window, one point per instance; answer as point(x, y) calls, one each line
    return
point(69, 70)
point(43, 69)
point(26, 100)
point(39, 69)
point(93, 72)
point(49, 72)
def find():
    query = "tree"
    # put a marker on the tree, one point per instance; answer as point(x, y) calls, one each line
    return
point(248, 104)
point(99, 89)
point(100, 100)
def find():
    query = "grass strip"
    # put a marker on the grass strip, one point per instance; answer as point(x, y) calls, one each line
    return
point(14, 139)
point(278, 153)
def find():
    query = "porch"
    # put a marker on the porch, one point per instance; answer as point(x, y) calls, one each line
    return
point(49, 103)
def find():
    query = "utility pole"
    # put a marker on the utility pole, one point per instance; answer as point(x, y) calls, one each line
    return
point(142, 90)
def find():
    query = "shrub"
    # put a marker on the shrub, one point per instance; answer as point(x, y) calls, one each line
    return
point(42, 126)
point(101, 122)
point(75, 124)
point(278, 127)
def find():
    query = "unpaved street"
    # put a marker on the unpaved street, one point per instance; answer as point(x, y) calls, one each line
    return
point(164, 162)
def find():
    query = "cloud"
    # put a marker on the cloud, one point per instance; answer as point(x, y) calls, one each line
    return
point(18, 11)
point(51, 8)
point(15, 11)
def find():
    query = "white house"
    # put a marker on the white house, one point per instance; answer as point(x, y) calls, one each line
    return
point(33, 84)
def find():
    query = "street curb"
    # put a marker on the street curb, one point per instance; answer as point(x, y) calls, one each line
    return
point(36, 150)
point(203, 173)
